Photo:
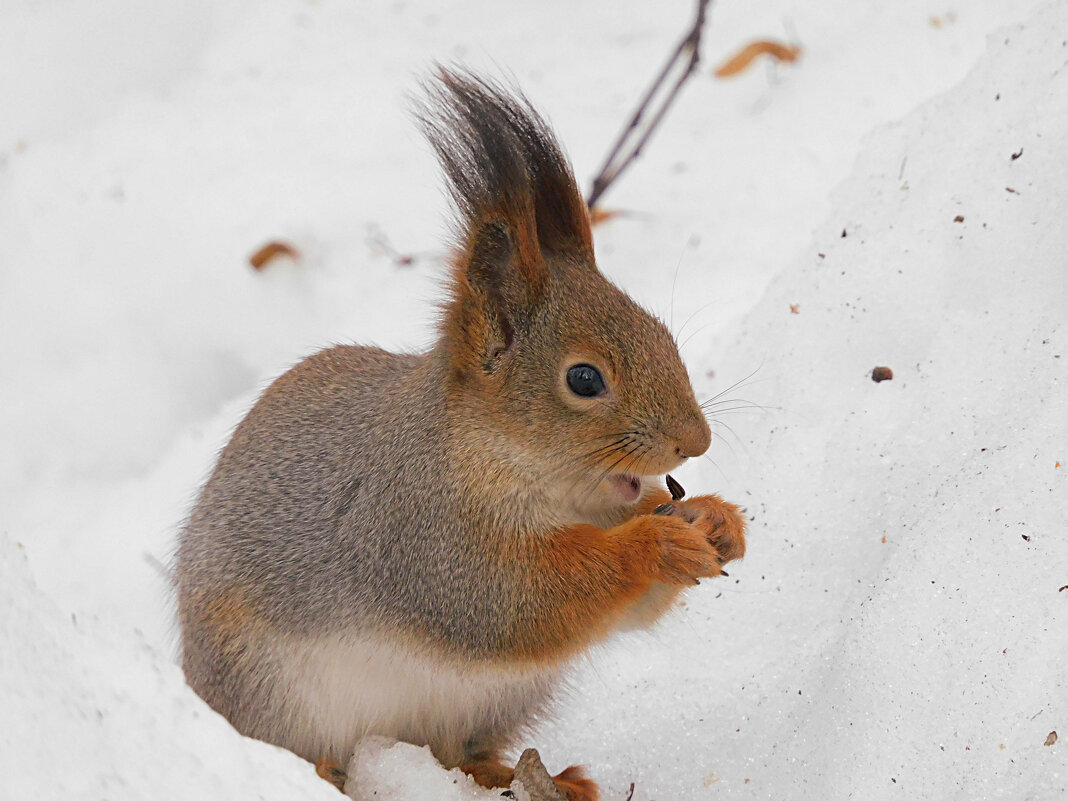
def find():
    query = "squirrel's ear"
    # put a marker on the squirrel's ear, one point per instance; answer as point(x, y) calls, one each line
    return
point(518, 206)
point(495, 289)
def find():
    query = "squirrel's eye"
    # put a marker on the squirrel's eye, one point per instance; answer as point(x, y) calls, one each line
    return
point(585, 380)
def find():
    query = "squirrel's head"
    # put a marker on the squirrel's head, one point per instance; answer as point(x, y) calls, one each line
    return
point(576, 376)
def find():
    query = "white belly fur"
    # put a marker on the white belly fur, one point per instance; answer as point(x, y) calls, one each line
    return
point(338, 689)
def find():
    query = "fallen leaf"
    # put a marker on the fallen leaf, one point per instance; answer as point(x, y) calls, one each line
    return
point(599, 215)
point(271, 251)
point(1051, 738)
point(744, 57)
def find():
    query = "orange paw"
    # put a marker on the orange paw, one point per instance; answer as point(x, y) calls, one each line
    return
point(489, 773)
point(574, 785)
point(722, 523)
point(684, 553)
point(328, 769)
point(572, 782)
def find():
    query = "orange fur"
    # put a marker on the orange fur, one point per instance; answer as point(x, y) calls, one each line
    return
point(723, 523)
point(585, 579)
point(226, 616)
point(329, 770)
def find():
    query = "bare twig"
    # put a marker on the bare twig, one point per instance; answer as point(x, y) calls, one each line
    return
point(616, 163)
point(377, 240)
point(630, 792)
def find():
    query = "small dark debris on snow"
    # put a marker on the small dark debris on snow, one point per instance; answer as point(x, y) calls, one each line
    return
point(1051, 738)
point(959, 218)
point(1062, 589)
point(822, 255)
point(881, 374)
point(843, 233)
point(1016, 155)
point(1010, 189)
point(1026, 538)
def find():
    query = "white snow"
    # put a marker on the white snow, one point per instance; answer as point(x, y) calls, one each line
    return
point(385, 769)
point(148, 149)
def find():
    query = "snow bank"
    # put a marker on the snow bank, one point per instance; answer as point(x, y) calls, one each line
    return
point(382, 768)
point(91, 715)
point(897, 628)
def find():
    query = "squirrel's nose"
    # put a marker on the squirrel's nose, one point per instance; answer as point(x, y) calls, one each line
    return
point(694, 440)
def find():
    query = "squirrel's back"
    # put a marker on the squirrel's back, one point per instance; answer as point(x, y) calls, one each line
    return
point(326, 541)
point(338, 472)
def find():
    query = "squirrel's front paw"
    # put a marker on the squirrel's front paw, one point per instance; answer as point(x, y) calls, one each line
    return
point(684, 553)
point(722, 523)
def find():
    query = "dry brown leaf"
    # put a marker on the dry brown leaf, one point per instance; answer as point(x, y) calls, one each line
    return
point(599, 215)
point(744, 57)
point(272, 250)
point(1051, 738)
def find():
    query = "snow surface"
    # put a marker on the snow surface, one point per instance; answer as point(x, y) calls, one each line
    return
point(154, 146)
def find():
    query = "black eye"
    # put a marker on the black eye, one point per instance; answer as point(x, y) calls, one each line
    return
point(585, 380)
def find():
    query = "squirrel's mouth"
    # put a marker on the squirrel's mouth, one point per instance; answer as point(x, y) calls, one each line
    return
point(630, 487)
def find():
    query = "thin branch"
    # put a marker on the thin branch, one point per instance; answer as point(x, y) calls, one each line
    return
point(615, 164)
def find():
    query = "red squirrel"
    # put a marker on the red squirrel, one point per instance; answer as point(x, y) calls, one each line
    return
point(418, 546)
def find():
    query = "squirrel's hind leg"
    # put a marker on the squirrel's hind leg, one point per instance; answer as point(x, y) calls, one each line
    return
point(328, 769)
point(489, 773)
point(572, 783)
point(575, 786)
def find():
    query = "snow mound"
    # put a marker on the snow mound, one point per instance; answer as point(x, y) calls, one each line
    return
point(897, 628)
point(89, 715)
point(383, 768)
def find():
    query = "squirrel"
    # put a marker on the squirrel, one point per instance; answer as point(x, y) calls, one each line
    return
point(418, 545)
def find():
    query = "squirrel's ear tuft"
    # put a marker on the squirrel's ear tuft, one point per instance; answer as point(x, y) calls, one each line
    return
point(505, 169)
